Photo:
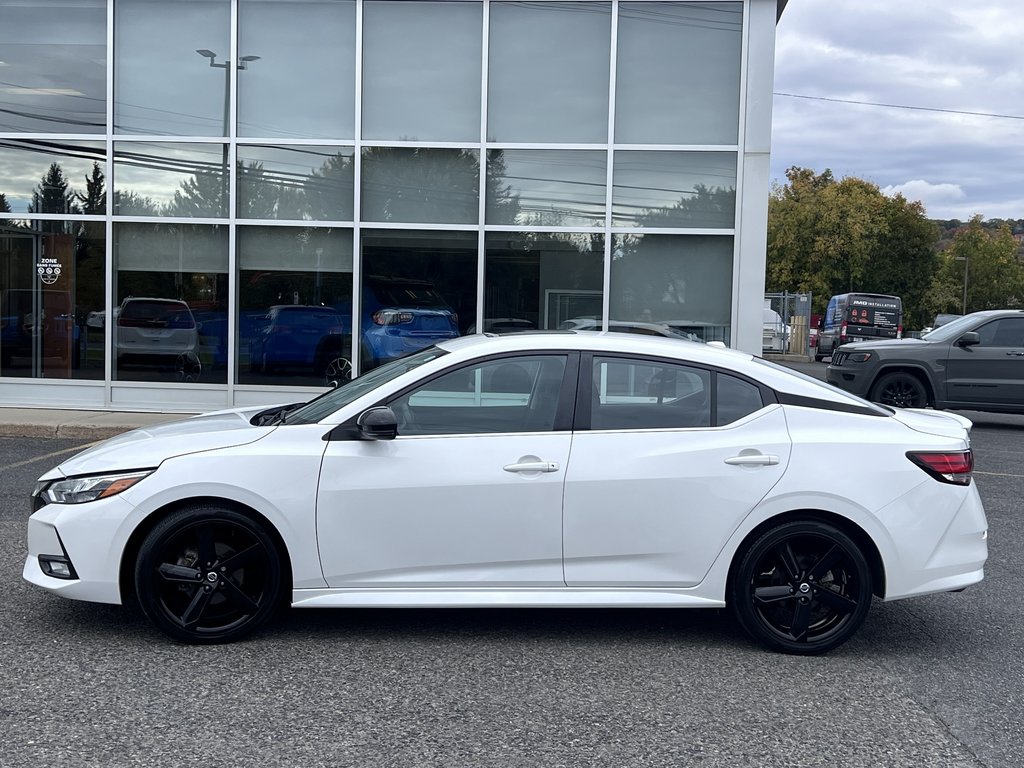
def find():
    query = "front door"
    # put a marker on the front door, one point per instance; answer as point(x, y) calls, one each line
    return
point(468, 494)
point(991, 372)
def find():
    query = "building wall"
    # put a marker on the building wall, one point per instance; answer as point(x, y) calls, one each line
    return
point(228, 202)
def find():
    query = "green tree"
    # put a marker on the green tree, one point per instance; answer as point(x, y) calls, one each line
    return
point(5, 207)
point(828, 237)
point(95, 198)
point(984, 260)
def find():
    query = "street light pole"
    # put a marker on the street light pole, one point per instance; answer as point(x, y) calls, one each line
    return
point(243, 63)
point(966, 260)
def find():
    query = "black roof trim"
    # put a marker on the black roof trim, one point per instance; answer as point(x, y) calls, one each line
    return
point(829, 405)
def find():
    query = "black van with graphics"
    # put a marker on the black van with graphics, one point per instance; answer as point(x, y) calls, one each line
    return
point(859, 317)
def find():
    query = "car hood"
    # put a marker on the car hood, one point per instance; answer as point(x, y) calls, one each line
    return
point(903, 344)
point(149, 446)
point(930, 422)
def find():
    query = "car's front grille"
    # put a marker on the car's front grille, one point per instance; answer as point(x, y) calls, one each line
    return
point(838, 358)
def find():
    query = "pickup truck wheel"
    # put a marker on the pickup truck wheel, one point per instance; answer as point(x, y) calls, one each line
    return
point(899, 390)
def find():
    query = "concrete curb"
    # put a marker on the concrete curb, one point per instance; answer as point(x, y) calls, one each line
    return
point(76, 425)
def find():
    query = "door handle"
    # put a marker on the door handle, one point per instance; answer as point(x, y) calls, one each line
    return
point(532, 466)
point(1015, 354)
point(753, 459)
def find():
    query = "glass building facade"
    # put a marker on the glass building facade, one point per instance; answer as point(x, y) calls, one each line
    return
point(207, 203)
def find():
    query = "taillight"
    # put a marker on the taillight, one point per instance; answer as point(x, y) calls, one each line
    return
point(842, 333)
point(948, 467)
point(899, 331)
point(391, 317)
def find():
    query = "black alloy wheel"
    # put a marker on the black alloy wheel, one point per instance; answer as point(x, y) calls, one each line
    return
point(900, 390)
point(208, 575)
point(337, 372)
point(803, 587)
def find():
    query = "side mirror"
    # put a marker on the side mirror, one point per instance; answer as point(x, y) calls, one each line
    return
point(378, 423)
point(969, 339)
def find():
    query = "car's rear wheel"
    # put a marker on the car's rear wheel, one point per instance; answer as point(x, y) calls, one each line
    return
point(208, 575)
point(900, 390)
point(337, 372)
point(803, 587)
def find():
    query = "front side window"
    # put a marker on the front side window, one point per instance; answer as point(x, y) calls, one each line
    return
point(1007, 332)
point(510, 395)
point(638, 394)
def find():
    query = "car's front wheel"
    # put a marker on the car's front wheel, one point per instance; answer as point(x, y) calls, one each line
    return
point(802, 587)
point(899, 390)
point(206, 574)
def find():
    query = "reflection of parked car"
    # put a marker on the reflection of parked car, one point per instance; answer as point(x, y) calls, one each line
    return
point(401, 316)
point(505, 325)
point(975, 362)
point(158, 330)
point(304, 337)
point(626, 326)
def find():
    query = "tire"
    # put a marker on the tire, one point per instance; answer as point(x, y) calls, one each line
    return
point(803, 587)
point(188, 367)
point(208, 575)
point(899, 390)
point(337, 372)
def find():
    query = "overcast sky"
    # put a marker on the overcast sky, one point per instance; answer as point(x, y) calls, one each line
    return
point(962, 56)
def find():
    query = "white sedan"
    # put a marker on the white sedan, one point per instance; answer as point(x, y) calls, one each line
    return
point(549, 469)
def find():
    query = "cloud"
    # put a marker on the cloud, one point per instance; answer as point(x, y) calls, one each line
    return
point(926, 193)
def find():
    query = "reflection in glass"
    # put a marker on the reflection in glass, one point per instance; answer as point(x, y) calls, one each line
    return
point(542, 280)
point(39, 176)
point(52, 299)
point(546, 187)
point(301, 183)
point(54, 66)
point(171, 290)
point(421, 71)
point(170, 179)
point(162, 84)
point(678, 73)
point(419, 288)
point(420, 185)
point(304, 86)
point(548, 72)
point(295, 305)
point(674, 189)
point(684, 281)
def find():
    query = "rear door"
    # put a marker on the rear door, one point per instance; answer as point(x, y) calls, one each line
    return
point(666, 461)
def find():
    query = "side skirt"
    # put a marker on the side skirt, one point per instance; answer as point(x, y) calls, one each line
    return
point(550, 597)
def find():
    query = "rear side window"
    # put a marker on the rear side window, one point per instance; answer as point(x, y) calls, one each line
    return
point(736, 398)
point(633, 394)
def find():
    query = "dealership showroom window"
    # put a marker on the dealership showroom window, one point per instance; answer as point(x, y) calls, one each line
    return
point(214, 202)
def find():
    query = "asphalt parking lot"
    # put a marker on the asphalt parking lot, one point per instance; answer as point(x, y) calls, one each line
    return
point(937, 681)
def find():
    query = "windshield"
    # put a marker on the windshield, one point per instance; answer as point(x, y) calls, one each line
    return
point(950, 330)
point(329, 402)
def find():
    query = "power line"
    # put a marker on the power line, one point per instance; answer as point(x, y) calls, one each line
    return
point(901, 106)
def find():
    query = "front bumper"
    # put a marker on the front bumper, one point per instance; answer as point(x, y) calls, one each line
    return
point(852, 378)
point(91, 537)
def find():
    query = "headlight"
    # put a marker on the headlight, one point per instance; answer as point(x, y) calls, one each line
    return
point(859, 357)
point(76, 490)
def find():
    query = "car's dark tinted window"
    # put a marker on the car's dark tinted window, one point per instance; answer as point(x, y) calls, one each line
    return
point(517, 394)
point(630, 394)
point(736, 399)
point(1005, 332)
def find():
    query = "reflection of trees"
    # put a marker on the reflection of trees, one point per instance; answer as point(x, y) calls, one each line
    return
point(413, 185)
point(5, 207)
point(705, 207)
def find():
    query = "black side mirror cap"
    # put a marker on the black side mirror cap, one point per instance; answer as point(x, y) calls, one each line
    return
point(968, 339)
point(379, 423)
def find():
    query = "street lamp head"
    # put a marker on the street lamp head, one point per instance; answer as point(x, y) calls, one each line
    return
point(206, 53)
point(249, 58)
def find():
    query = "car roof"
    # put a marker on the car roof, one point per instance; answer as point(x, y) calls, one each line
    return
point(775, 376)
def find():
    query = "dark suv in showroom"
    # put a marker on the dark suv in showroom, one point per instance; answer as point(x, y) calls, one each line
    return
point(975, 362)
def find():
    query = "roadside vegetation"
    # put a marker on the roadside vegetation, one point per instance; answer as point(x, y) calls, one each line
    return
point(830, 236)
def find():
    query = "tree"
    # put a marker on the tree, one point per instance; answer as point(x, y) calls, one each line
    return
point(5, 207)
point(95, 198)
point(828, 237)
point(983, 263)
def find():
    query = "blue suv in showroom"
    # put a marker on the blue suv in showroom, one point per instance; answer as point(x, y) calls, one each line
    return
point(402, 316)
